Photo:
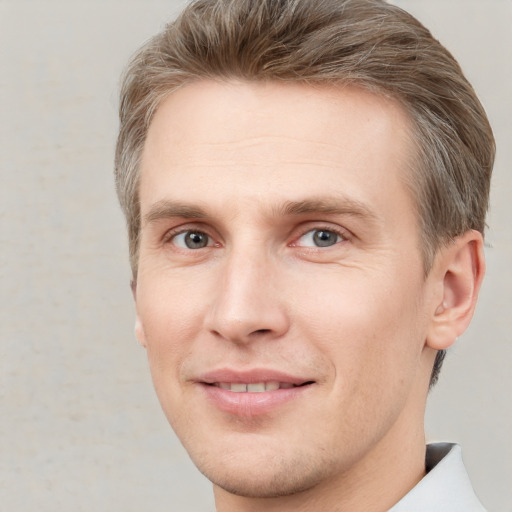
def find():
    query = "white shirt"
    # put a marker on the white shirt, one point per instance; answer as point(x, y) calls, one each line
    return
point(445, 487)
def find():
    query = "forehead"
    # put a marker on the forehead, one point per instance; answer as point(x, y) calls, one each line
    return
point(249, 139)
point(211, 111)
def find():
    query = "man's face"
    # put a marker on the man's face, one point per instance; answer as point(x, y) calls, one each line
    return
point(279, 254)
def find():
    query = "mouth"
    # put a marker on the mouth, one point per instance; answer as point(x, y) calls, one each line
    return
point(253, 392)
point(256, 387)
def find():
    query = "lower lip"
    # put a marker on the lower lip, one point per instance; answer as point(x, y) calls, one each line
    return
point(249, 404)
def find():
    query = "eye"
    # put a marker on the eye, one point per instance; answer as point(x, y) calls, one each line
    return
point(191, 240)
point(320, 238)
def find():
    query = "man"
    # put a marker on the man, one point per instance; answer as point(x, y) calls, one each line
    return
point(305, 184)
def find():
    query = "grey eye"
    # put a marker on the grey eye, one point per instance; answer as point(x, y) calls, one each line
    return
point(325, 238)
point(320, 238)
point(192, 240)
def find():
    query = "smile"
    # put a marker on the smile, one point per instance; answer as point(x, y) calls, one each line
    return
point(252, 393)
point(255, 387)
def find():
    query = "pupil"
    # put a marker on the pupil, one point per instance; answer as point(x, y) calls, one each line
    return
point(195, 240)
point(324, 238)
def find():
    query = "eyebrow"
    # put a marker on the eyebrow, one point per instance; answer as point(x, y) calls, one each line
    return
point(330, 206)
point(166, 209)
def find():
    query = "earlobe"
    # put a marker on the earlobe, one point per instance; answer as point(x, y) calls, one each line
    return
point(139, 332)
point(459, 269)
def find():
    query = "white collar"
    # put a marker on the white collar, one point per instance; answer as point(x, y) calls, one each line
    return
point(445, 487)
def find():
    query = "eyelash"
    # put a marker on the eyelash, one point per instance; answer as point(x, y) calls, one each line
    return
point(174, 233)
point(341, 233)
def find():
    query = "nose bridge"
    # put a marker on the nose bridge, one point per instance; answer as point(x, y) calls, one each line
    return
point(247, 302)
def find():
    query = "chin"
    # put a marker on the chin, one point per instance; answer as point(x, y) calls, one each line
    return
point(273, 477)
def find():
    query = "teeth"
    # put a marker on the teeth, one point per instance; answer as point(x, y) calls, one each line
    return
point(271, 386)
point(239, 388)
point(255, 387)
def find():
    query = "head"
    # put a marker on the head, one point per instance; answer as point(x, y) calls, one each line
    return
point(367, 43)
point(365, 48)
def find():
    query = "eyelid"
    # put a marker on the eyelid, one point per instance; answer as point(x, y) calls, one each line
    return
point(343, 233)
point(172, 233)
point(307, 227)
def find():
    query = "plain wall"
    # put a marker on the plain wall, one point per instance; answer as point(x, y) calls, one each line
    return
point(80, 426)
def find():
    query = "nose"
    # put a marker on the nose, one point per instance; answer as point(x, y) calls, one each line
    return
point(249, 302)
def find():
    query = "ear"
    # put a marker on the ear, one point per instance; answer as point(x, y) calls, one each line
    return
point(458, 270)
point(139, 329)
point(139, 332)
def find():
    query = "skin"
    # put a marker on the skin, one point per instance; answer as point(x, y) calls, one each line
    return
point(257, 170)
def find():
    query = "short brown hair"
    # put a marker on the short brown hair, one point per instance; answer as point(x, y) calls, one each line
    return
point(367, 43)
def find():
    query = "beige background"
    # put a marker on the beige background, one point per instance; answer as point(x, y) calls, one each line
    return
point(80, 427)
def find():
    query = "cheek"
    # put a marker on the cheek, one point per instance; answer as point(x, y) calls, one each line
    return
point(166, 332)
point(170, 317)
point(368, 325)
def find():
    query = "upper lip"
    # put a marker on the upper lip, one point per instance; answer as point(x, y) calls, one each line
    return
point(252, 376)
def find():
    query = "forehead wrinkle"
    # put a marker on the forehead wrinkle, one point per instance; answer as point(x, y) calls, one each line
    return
point(257, 140)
